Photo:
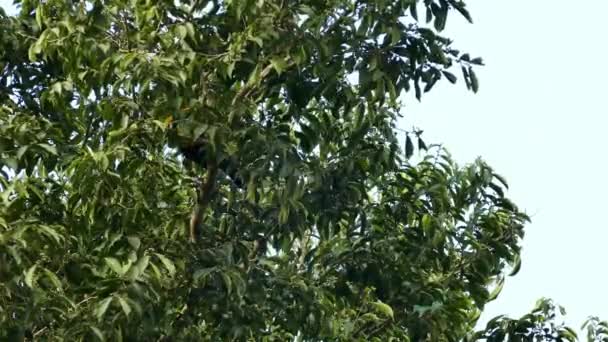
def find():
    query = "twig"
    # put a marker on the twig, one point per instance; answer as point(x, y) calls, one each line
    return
point(39, 332)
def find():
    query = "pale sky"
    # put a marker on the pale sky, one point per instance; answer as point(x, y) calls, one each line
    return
point(540, 121)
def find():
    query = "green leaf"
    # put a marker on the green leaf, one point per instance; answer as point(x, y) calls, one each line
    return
point(497, 189)
point(38, 16)
point(430, 84)
point(421, 144)
point(104, 47)
point(409, 146)
point(199, 130)
point(414, 11)
point(57, 88)
point(474, 81)
point(97, 333)
point(305, 9)
point(21, 151)
point(139, 267)
point(278, 64)
point(421, 310)
point(126, 308)
point(181, 31)
point(429, 15)
point(465, 74)
point(257, 40)
point(230, 69)
point(501, 179)
point(568, 334)
point(169, 265)
point(33, 52)
point(369, 317)
point(239, 283)
point(29, 276)
point(460, 7)
point(499, 285)
point(50, 149)
point(227, 282)
point(50, 232)
point(11, 163)
point(202, 274)
point(426, 221)
point(190, 29)
point(115, 265)
point(283, 214)
point(449, 76)
point(383, 308)
point(395, 35)
point(53, 279)
point(477, 61)
point(440, 18)
point(104, 162)
point(102, 307)
point(417, 90)
point(134, 241)
point(516, 265)
point(251, 190)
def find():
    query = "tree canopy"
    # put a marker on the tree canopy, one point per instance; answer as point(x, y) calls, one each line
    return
point(273, 124)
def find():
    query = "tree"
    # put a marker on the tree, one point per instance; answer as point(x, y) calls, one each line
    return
point(272, 123)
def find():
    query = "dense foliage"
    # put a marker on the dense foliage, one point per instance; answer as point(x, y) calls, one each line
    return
point(315, 225)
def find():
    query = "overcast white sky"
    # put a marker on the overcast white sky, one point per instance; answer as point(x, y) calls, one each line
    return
point(540, 121)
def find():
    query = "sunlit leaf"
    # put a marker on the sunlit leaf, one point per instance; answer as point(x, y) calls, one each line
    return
point(169, 265)
point(126, 308)
point(29, 276)
point(115, 265)
point(383, 308)
point(102, 307)
point(50, 149)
